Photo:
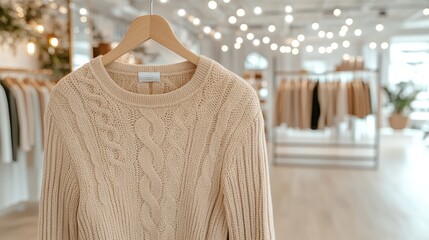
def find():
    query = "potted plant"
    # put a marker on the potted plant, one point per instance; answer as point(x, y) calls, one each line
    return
point(401, 97)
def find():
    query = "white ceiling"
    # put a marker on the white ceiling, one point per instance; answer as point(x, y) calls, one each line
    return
point(399, 15)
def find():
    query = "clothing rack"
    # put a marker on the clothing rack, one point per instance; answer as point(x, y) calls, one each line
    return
point(303, 153)
point(45, 72)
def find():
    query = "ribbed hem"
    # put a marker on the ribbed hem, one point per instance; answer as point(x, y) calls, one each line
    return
point(100, 72)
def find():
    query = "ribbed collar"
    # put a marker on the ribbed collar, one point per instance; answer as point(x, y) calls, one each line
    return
point(100, 72)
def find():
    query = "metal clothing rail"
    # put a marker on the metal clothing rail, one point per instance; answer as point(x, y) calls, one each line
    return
point(305, 155)
point(46, 72)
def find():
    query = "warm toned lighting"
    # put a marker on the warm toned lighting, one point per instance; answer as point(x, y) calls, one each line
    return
point(301, 37)
point(334, 45)
point(250, 36)
point(53, 41)
point(322, 50)
point(329, 35)
point(309, 48)
point(379, 27)
point(346, 57)
point(329, 50)
point(244, 27)
point(373, 45)
point(321, 34)
point(237, 45)
point(271, 28)
point(225, 48)
point(31, 48)
point(426, 11)
point(40, 28)
point(239, 40)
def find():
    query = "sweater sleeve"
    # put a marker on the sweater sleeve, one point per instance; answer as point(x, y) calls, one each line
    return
point(247, 194)
point(60, 193)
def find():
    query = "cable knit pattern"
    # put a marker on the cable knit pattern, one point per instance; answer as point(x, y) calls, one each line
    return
point(184, 158)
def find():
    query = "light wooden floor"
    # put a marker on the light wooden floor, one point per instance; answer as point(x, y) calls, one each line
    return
point(331, 204)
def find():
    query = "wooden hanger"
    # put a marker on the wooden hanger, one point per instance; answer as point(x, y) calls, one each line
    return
point(148, 27)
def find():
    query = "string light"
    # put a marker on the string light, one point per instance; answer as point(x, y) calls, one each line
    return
point(289, 18)
point(266, 40)
point(337, 12)
point(232, 19)
point(31, 48)
point(241, 12)
point(384, 45)
point(329, 50)
point(83, 11)
point(53, 41)
point(334, 45)
point(288, 49)
point(379, 27)
point(40, 28)
point(349, 21)
point(181, 12)
point(225, 48)
point(163, 1)
point(426, 11)
point(329, 35)
point(373, 45)
point(295, 43)
point(315, 26)
point(346, 57)
point(83, 19)
point(207, 29)
point(239, 40)
point(322, 50)
point(271, 28)
point(256, 42)
point(321, 34)
point(212, 5)
point(250, 36)
point(295, 51)
point(196, 21)
point(237, 45)
point(301, 37)
point(244, 27)
point(346, 44)
point(309, 48)
point(288, 9)
point(226, 1)
point(217, 35)
point(274, 46)
point(358, 32)
point(257, 10)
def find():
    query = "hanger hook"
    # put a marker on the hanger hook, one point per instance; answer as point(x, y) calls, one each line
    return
point(151, 7)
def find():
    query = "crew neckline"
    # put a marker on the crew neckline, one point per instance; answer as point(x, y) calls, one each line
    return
point(100, 72)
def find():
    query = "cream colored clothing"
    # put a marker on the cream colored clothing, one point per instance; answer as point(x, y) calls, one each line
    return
point(181, 159)
point(6, 155)
point(21, 103)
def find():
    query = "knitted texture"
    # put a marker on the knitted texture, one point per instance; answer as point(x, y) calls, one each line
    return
point(183, 158)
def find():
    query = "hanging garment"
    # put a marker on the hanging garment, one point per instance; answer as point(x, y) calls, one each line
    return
point(13, 116)
point(184, 164)
point(309, 108)
point(21, 104)
point(350, 99)
point(6, 152)
point(315, 113)
point(26, 90)
point(305, 119)
point(324, 101)
point(342, 103)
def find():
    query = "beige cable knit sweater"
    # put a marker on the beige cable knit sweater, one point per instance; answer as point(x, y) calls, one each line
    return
point(181, 159)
